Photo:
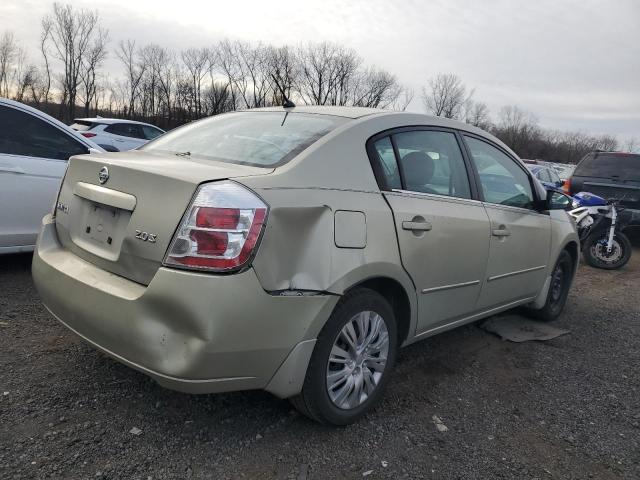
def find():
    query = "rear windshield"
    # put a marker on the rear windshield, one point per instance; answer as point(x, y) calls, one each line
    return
point(81, 125)
point(624, 166)
point(262, 139)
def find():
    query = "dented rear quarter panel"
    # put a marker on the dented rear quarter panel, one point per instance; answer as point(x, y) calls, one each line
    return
point(298, 250)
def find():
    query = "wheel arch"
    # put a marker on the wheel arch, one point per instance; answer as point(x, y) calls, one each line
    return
point(399, 300)
point(573, 249)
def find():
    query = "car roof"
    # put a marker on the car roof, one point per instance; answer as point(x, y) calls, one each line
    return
point(110, 121)
point(348, 112)
point(395, 119)
point(48, 118)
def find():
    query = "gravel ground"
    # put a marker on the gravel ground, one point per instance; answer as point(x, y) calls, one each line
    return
point(566, 408)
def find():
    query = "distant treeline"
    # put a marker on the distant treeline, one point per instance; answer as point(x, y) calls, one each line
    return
point(168, 87)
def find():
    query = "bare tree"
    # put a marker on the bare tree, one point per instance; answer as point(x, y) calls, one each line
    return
point(477, 114)
point(44, 50)
point(631, 145)
point(134, 71)
point(376, 88)
point(91, 61)
point(517, 128)
point(284, 69)
point(71, 33)
point(229, 66)
point(607, 143)
point(326, 73)
point(198, 63)
point(404, 99)
point(445, 96)
point(8, 54)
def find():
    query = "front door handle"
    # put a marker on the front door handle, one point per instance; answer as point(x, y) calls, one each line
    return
point(502, 231)
point(416, 226)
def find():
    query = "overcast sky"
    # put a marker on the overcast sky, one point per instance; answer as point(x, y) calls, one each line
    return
point(574, 64)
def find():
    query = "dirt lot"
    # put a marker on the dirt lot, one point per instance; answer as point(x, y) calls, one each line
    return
point(567, 408)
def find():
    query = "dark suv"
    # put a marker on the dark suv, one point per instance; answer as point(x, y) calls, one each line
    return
point(611, 175)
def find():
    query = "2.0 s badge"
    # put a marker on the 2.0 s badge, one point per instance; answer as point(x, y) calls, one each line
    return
point(146, 236)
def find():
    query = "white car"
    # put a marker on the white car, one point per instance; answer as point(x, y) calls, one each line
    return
point(116, 135)
point(34, 150)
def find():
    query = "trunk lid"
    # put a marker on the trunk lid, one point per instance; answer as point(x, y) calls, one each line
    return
point(125, 224)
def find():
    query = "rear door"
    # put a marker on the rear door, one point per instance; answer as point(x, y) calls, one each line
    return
point(442, 230)
point(520, 236)
point(33, 158)
point(126, 136)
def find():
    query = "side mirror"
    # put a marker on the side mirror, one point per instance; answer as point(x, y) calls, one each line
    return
point(558, 201)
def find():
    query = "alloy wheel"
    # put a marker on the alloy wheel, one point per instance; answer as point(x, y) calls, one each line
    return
point(357, 360)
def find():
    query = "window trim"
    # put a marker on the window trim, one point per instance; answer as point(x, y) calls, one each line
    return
point(381, 178)
point(527, 172)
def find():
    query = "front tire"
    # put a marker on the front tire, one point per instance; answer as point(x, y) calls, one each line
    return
point(352, 360)
point(595, 250)
point(561, 278)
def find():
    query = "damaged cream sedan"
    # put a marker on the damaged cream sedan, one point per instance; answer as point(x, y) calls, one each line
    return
point(296, 250)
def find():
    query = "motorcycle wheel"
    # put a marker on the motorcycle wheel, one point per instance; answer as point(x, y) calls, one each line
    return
point(595, 250)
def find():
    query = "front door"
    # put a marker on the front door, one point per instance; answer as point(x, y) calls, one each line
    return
point(520, 236)
point(443, 233)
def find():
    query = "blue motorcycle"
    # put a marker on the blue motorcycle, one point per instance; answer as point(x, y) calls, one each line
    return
point(599, 223)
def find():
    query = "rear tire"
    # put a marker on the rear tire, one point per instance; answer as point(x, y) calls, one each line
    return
point(352, 360)
point(561, 278)
point(594, 250)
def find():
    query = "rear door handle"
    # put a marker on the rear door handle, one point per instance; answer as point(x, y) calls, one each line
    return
point(416, 226)
point(9, 169)
point(500, 232)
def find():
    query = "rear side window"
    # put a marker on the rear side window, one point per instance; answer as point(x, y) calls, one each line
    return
point(543, 175)
point(623, 166)
point(387, 161)
point(24, 134)
point(125, 130)
point(431, 162)
point(503, 181)
point(151, 132)
point(261, 139)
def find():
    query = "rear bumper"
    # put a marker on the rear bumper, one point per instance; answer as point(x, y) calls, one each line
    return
point(192, 332)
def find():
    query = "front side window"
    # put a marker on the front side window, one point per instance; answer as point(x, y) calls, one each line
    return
point(432, 162)
point(261, 139)
point(503, 181)
point(24, 134)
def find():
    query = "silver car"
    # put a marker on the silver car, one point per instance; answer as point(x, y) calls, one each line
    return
point(296, 250)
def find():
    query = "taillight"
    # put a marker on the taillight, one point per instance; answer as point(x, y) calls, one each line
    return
point(87, 134)
point(566, 186)
point(220, 230)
